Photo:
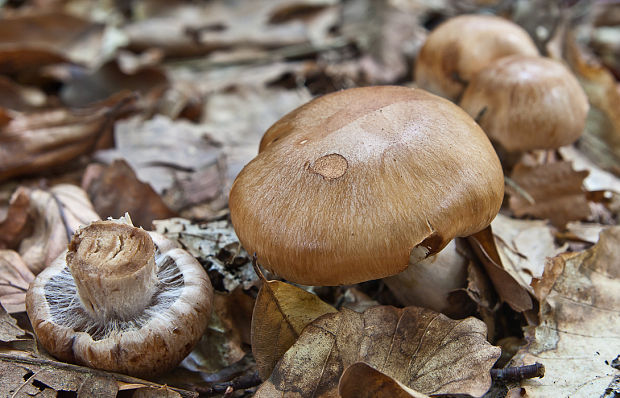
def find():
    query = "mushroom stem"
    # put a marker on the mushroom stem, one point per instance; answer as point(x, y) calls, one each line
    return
point(113, 264)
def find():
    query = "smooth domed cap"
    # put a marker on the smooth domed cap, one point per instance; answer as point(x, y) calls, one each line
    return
point(527, 103)
point(458, 48)
point(347, 185)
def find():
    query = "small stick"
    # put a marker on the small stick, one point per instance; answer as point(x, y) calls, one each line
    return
point(517, 373)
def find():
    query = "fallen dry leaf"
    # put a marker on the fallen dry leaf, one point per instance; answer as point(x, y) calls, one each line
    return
point(178, 159)
point(15, 277)
point(556, 190)
point(221, 345)
point(9, 330)
point(362, 381)
point(523, 246)
point(56, 33)
point(23, 375)
point(89, 87)
point(508, 289)
point(57, 213)
point(597, 179)
point(422, 349)
point(578, 337)
point(281, 313)
point(217, 247)
point(16, 224)
point(34, 142)
point(115, 190)
point(586, 232)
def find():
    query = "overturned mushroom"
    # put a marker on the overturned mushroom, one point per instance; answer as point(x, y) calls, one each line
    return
point(121, 299)
point(356, 184)
point(458, 48)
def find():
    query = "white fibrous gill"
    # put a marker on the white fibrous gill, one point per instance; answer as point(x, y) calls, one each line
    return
point(67, 310)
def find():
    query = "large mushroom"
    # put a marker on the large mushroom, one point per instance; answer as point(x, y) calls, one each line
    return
point(121, 299)
point(460, 47)
point(526, 103)
point(357, 184)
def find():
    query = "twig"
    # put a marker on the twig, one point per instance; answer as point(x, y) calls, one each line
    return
point(240, 383)
point(26, 382)
point(513, 184)
point(518, 373)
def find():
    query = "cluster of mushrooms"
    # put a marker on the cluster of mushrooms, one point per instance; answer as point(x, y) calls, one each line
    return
point(356, 185)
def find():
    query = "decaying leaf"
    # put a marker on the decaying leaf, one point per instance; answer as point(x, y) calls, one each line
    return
point(281, 313)
point(221, 345)
point(577, 340)
point(24, 376)
point(15, 277)
point(597, 179)
point(166, 154)
point(115, 190)
point(508, 289)
point(217, 247)
point(556, 190)
point(523, 247)
point(57, 213)
point(9, 331)
point(16, 224)
point(362, 381)
point(34, 142)
point(422, 349)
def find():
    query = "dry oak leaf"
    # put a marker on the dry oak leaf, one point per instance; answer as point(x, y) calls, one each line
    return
point(15, 277)
point(26, 376)
point(363, 381)
point(579, 336)
point(115, 190)
point(422, 349)
point(57, 213)
point(34, 142)
point(9, 330)
point(556, 189)
point(523, 246)
point(281, 313)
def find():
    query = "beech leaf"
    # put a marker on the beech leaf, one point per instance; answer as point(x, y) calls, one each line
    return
point(281, 312)
point(578, 338)
point(360, 380)
point(15, 277)
point(422, 349)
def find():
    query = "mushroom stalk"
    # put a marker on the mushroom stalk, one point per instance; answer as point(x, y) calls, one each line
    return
point(113, 265)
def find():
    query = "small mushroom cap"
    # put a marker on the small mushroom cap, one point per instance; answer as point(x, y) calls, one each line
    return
point(162, 336)
point(350, 185)
point(458, 48)
point(528, 102)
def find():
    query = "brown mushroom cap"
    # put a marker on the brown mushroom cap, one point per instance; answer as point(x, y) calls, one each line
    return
point(350, 185)
point(153, 340)
point(528, 102)
point(458, 48)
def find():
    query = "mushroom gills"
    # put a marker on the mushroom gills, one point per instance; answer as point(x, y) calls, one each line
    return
point(67, 309)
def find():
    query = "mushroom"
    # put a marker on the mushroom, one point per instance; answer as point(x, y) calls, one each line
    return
point(120, 299)
point(526, 103)
point(458, 48)
point(354, 185)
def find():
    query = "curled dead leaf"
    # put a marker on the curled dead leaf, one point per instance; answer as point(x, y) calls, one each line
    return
point(9, 330)
point(556, 190)
point(281, 313)
point(508, 289)
point(362, 381)
point(422, 349)
point(16, 224)
point(577, 339)
point(34, 142)
point(57, 213)
point(115, 190)
point(15, 277)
